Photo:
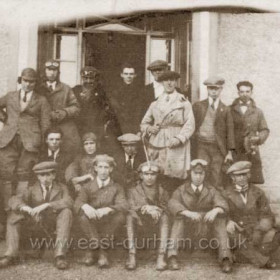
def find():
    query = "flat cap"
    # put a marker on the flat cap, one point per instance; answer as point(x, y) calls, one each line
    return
point(89, 71)
point(129, 138)
point(240, 167)
point(52, 64)
point(172, 75)
point(29, 74)
point(157, 64)
point(201, 163)
point(104, 158)
point(149, 167)
point(89, 136)
point(214, 81)
point(44, 166)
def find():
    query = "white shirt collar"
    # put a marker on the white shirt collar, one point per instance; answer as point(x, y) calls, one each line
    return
point(216, 102)
point(101, 183)
point(52, 84)
point(28, 95)
point(44, 189)
point(195, 187)
point(158, 89)
point(55, 153)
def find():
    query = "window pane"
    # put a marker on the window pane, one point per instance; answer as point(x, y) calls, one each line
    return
point(68, 73)
point(68, 48)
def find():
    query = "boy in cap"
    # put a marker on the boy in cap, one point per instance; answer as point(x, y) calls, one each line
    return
point(250, 220)
point(101, 207)
point(28, 117)
point(148, 209)
point(41, 207)
point(128, 160)
point(199, 209)
point(213, 139)
point(168, 124)
point(250, 130)
point(64, 105)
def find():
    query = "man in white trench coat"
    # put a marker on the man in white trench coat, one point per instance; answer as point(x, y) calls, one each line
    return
point(168, 125)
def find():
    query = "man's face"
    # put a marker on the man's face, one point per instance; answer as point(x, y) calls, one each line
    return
point(214, 92)
point(128, 75)
point(103, 170)
point(130, 149)
point(51, 74)
point(245, 93)
point(46, 179)
point(241, 179)
point(169, 85)
point(157, 72)
point(90, 147)
point(89, 81)
point(197, 176)
point(149, 178)
point(54, 141)
point(27, 85)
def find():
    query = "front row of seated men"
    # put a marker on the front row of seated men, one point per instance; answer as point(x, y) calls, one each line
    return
point(196, 210)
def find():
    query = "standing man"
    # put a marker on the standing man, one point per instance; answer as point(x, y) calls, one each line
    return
point(168, 124)
point(96, 113)
point(250, 219)
point(126, 101)
point(43, 206)
point(28, 117)
point(250, 130)
point(64, 105)
point(213, 139)
point(199, 209)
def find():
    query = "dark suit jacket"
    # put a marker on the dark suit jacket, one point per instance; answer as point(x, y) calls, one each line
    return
point(184, 198)
point(224, 128)
point(110, 196)
point(31, 123)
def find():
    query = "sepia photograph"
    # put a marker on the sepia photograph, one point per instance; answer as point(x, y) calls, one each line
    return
point(139, 139)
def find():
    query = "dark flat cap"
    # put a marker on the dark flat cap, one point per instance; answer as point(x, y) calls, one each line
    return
point(52, 64)
point(214, 81)
point(29, 74)
point(240, 167)
point(89, 71)
point(172, 75)
point(157, 64)
point(44, 166)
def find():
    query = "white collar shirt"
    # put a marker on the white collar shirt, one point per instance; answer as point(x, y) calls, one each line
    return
point(158, 89)
point(101, 183)
point(55, 154)
point(215, 102)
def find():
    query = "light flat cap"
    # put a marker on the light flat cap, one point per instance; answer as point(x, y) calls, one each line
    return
point(104, 158)
point(44, 167)
point(214, 81)
point(169, 75)
point(149, 167)
point(157, 64)
point(129, 138)
point(240, 167)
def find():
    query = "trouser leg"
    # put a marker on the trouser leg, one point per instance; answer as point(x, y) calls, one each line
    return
point(130, 226)
point(176, 236)
point(164, 233)
point(217, 160)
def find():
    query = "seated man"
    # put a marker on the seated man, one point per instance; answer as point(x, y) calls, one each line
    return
point(40, 207)
point(199, 208)
point(251, 222)
point(128, 160)
point(101, 207)
point(148, 209)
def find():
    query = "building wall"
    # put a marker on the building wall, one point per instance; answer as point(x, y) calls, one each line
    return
point(249, 49)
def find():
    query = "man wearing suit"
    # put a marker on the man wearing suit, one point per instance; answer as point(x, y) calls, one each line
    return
point(28, 117)
point(128, 160)
point(250, 130)
point(101, 207)
point(213, 139)
point(251, 224)
point(148, 209)
point(199, 208)
point(54, 152)
point(43, 206)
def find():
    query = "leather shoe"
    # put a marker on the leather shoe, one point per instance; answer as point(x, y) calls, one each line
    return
point(103, 260)
point(226, 266)
point(61, 262)
point(173, 263)
point(131, 262)
point(270, 265)
point(88, 259)
point(6, 261)
point(161, 263)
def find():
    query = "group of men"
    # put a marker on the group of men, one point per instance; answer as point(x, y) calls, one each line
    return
point(172, 182)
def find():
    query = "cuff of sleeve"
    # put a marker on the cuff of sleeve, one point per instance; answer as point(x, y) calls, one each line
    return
point(181, 138)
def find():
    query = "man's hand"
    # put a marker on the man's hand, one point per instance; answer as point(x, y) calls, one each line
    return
point(152, 210)
point(90, 212)
point(195, 216)
point(229, 157)
point(254, 140)
point(231, 226)
point(58, 115)
point(174, 142)
point(77, 187)
point(37, 210)
point(153, 129)
point(210, 216)
point(26, 209)
point(83, 178)
point(101, 212)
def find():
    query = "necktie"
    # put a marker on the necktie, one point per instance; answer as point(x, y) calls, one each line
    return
point(129, 163)
point(24, 97)
point(213, 106)
point(197, 192)
point(50, 88)
point(52, 156)
point(48, 194)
